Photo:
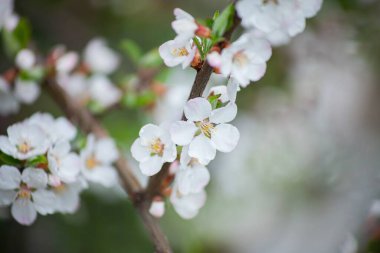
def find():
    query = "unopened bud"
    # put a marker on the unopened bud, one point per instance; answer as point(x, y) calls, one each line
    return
point(157, 208)
point(203, 31)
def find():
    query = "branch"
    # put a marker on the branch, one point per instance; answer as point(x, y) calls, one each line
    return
point(199, 85)
point(81, 117)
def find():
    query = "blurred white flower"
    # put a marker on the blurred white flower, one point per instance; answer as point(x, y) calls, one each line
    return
point(245, 60)
point(206, 130)
point(26, 91)
point(8, 103)
point(24, 141)
point(11, 22)
point(25, 59)
point(100, 58)
point(153, 148)
point(97, 159)
point(75, 85)
point(350, 245)
point(67, 62)
point(26, 192)
point(157, 208)
point(6, 10)
point(176, 52)
point(103, 91)
point(187, 206)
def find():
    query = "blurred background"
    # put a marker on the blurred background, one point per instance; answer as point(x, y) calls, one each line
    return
point(305, 176)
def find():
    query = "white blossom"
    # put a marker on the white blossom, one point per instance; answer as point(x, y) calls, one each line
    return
point(97, 159)
point(193, 176)
point(100, 58)
point(24, 141)
point(153, 148)
point(76, 85)
point(26, 91)
point(8, 103)
point(6, 10)
point(206, 130)
point(103, 91)
point(227, 93)
point(26, 192)
point(184, 25)
point(187, 206)
point(66, 62)
point(177, 52)
point(59, 129)
point(157, 208)
point(63, 163)
point(245, 60)
point(25, 59)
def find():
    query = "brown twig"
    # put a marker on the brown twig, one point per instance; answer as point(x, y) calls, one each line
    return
point(81, 117)
point(199, 85)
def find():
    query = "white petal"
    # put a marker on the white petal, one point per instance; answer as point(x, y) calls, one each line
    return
point(25, 59)
point(151, 166)
point(69, 168)
point(26, 91)
point(7, 197)
point(139, 152)
point(197, 109)
point(157, 208)
point(232, 89)
point(100, 58)
point(44, 201)
point(193, 180)
point(106, 151)
point(224, 114)
point(148, 133)
point(10, 177)
point(225, 137)
point(104, 175)
point(170, 152)
point(202, 148)
point(23, 211)
point(214, 59)
point(182, 132)
point(34, 178)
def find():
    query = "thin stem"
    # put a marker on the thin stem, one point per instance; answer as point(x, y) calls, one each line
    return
point(81, 117)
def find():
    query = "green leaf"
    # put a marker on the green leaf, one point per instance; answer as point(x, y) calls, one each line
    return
point(130, 99)
point(223, 21)
point(8, 160)
point(198, 44)
point(145, 98)
point(34, 74)
point(152, 59)
point(41, 159)
point(214, 99)
point(132, 50)
point(17, 39)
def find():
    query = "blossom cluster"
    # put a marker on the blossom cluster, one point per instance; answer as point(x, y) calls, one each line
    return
point(191, 144)
point(42, 171)
point(88, 81)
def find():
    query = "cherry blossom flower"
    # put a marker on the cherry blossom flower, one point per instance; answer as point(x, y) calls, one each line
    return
point(245, 60)
point(59, 129)
point(193, 176)
point(102, 91)
point(76, 86)
point(277, 20)
point(26, 192)
point(153, 148)
point(26, 91)
point(66, 63)
point(176, 52)
point(63, 163)
point(100, 58)
point(227, 93)
point(206, 130)
point(187, 206)
point(184, 25)
point(25, 59)
point(97, 159)
point(24, 141)
point(8, 103)
point(6, 9)
point(157, 208)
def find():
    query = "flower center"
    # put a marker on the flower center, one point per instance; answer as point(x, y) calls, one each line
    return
point(157, 147)
point(206, 127)
point(59, 188)
point(240, 58)
point(24, 192)
point(91, 162)
point(180, 52)
point(24, 147)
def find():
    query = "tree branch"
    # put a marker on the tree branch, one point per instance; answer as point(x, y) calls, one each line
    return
point(81, 117)
point(199, 85)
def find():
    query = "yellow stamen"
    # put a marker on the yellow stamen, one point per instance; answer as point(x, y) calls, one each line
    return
point(157, 147)
point(91, 162)
point(206, 128)
point(24, 147)
point(240, 58)
point(180, 52)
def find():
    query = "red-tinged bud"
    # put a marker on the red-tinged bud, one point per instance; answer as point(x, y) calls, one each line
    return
point(10, 75)
point(203, 31)
point(217, 71)
point(167, 192)
point(197, 61)
point(158, 88)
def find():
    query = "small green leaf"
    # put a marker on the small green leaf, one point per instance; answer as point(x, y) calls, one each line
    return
point(8, 160)
point(33, 162)
point(145, 98)
point(34, 74)
point(223, 21)
point(129, 99)
point(17, 39)
point(132, 50)
point(152, 59)
point(198, 44)
point(214, 99)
